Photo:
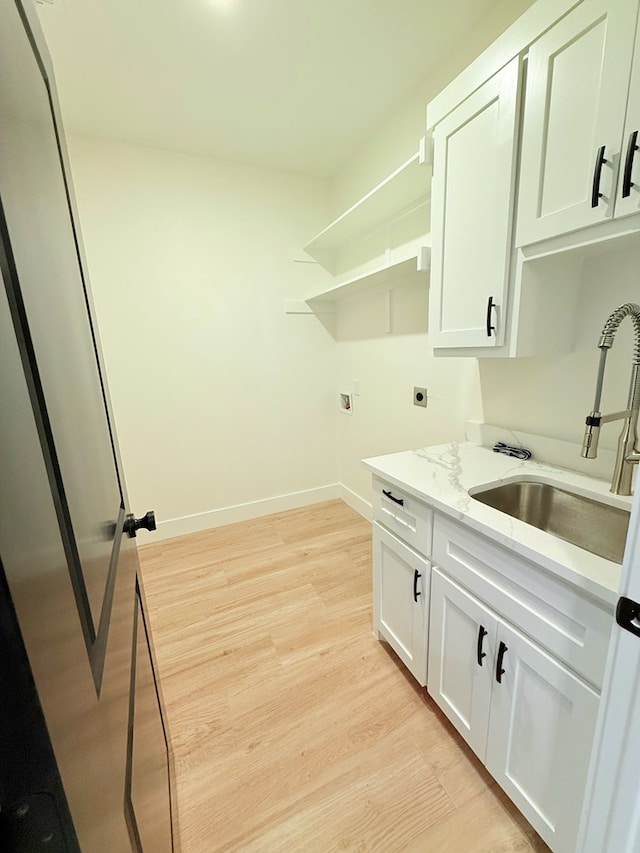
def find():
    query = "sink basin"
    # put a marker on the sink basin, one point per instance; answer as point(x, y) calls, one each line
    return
point(597, 527)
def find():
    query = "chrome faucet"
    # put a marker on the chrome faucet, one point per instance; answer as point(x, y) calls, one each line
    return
point(628, 453)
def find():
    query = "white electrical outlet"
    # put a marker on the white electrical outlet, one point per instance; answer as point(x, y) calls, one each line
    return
point(420, 397)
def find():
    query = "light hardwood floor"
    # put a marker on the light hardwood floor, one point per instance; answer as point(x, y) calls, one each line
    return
point(293, 728)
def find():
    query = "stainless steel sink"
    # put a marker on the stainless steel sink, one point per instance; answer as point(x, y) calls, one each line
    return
point(594, 526)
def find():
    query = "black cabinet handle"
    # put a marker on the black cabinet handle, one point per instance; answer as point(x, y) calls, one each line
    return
point(482, 633)
point(391, 497)
point(628, 164)
point(499, 670)
point(416, 578)
point(490, 306)
point(596, 195)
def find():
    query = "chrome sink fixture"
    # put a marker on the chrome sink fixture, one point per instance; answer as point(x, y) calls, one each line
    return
point(597, 527)
point(627, 454)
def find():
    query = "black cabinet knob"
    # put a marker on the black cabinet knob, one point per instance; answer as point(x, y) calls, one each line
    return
point(133, 524)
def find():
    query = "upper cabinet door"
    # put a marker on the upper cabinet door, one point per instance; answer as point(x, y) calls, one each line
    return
point(575, 102)
point(471, 215)
point(628, 199)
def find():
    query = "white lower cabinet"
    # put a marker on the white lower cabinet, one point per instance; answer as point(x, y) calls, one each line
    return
point(541, 729)
point(462, 643)
point(401, 600)
point(526, 716)
point(513, 655)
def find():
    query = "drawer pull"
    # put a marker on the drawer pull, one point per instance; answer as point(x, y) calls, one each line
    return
point(627, 183)
point(482, 633)
point(391, 497)
point(499, 670)
point(596, 195)
point(416, 578)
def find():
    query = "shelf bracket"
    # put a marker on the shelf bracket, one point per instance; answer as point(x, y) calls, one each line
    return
point(422, 151)
point(424, 258)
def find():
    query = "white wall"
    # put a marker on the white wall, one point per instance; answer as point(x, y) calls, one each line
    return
point(384, 418)
point(388, 366)
point(397, 138)
point(223, 400)
point(552, 396)
point(220, 398)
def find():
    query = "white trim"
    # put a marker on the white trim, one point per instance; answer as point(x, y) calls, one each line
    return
point(241, 512)
point(611, 812)
point(355, 501)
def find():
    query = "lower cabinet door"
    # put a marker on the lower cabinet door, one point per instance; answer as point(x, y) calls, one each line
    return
point(541, 730)
point(462, 643)
point(401, 599)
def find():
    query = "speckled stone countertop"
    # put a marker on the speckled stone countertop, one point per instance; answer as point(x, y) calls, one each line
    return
point(445, 475)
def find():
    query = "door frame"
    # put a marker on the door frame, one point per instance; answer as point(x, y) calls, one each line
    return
point(611, 811)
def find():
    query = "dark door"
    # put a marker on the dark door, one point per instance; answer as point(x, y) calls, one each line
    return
point(71, 573)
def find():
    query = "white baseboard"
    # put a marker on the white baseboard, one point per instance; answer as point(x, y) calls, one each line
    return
point(355, 501)
point(242, 512)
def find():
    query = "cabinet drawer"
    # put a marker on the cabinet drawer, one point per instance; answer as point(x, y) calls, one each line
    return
point(556, 615)
point(405, 516)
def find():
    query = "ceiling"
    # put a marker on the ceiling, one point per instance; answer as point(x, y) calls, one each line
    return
point(296, 85)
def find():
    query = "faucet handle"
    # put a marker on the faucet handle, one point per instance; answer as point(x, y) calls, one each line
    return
point(591, 436)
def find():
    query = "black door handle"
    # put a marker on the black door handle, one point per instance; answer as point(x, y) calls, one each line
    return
point(133, 524)
point(628, 164)
point(628, 615)
point(482, 633)
point(499, 670)
point(416, 578)
point(596, 195)
point(490, 306)
point(391, 497)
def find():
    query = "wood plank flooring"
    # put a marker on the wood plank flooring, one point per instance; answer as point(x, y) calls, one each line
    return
point(293, 728)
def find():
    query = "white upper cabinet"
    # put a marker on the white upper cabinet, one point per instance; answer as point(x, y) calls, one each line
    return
point(536, 152)
point(628, 198)
point(474, 168)
point(574, 120)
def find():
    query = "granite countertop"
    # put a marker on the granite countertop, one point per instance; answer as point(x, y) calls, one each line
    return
point(444, 475)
